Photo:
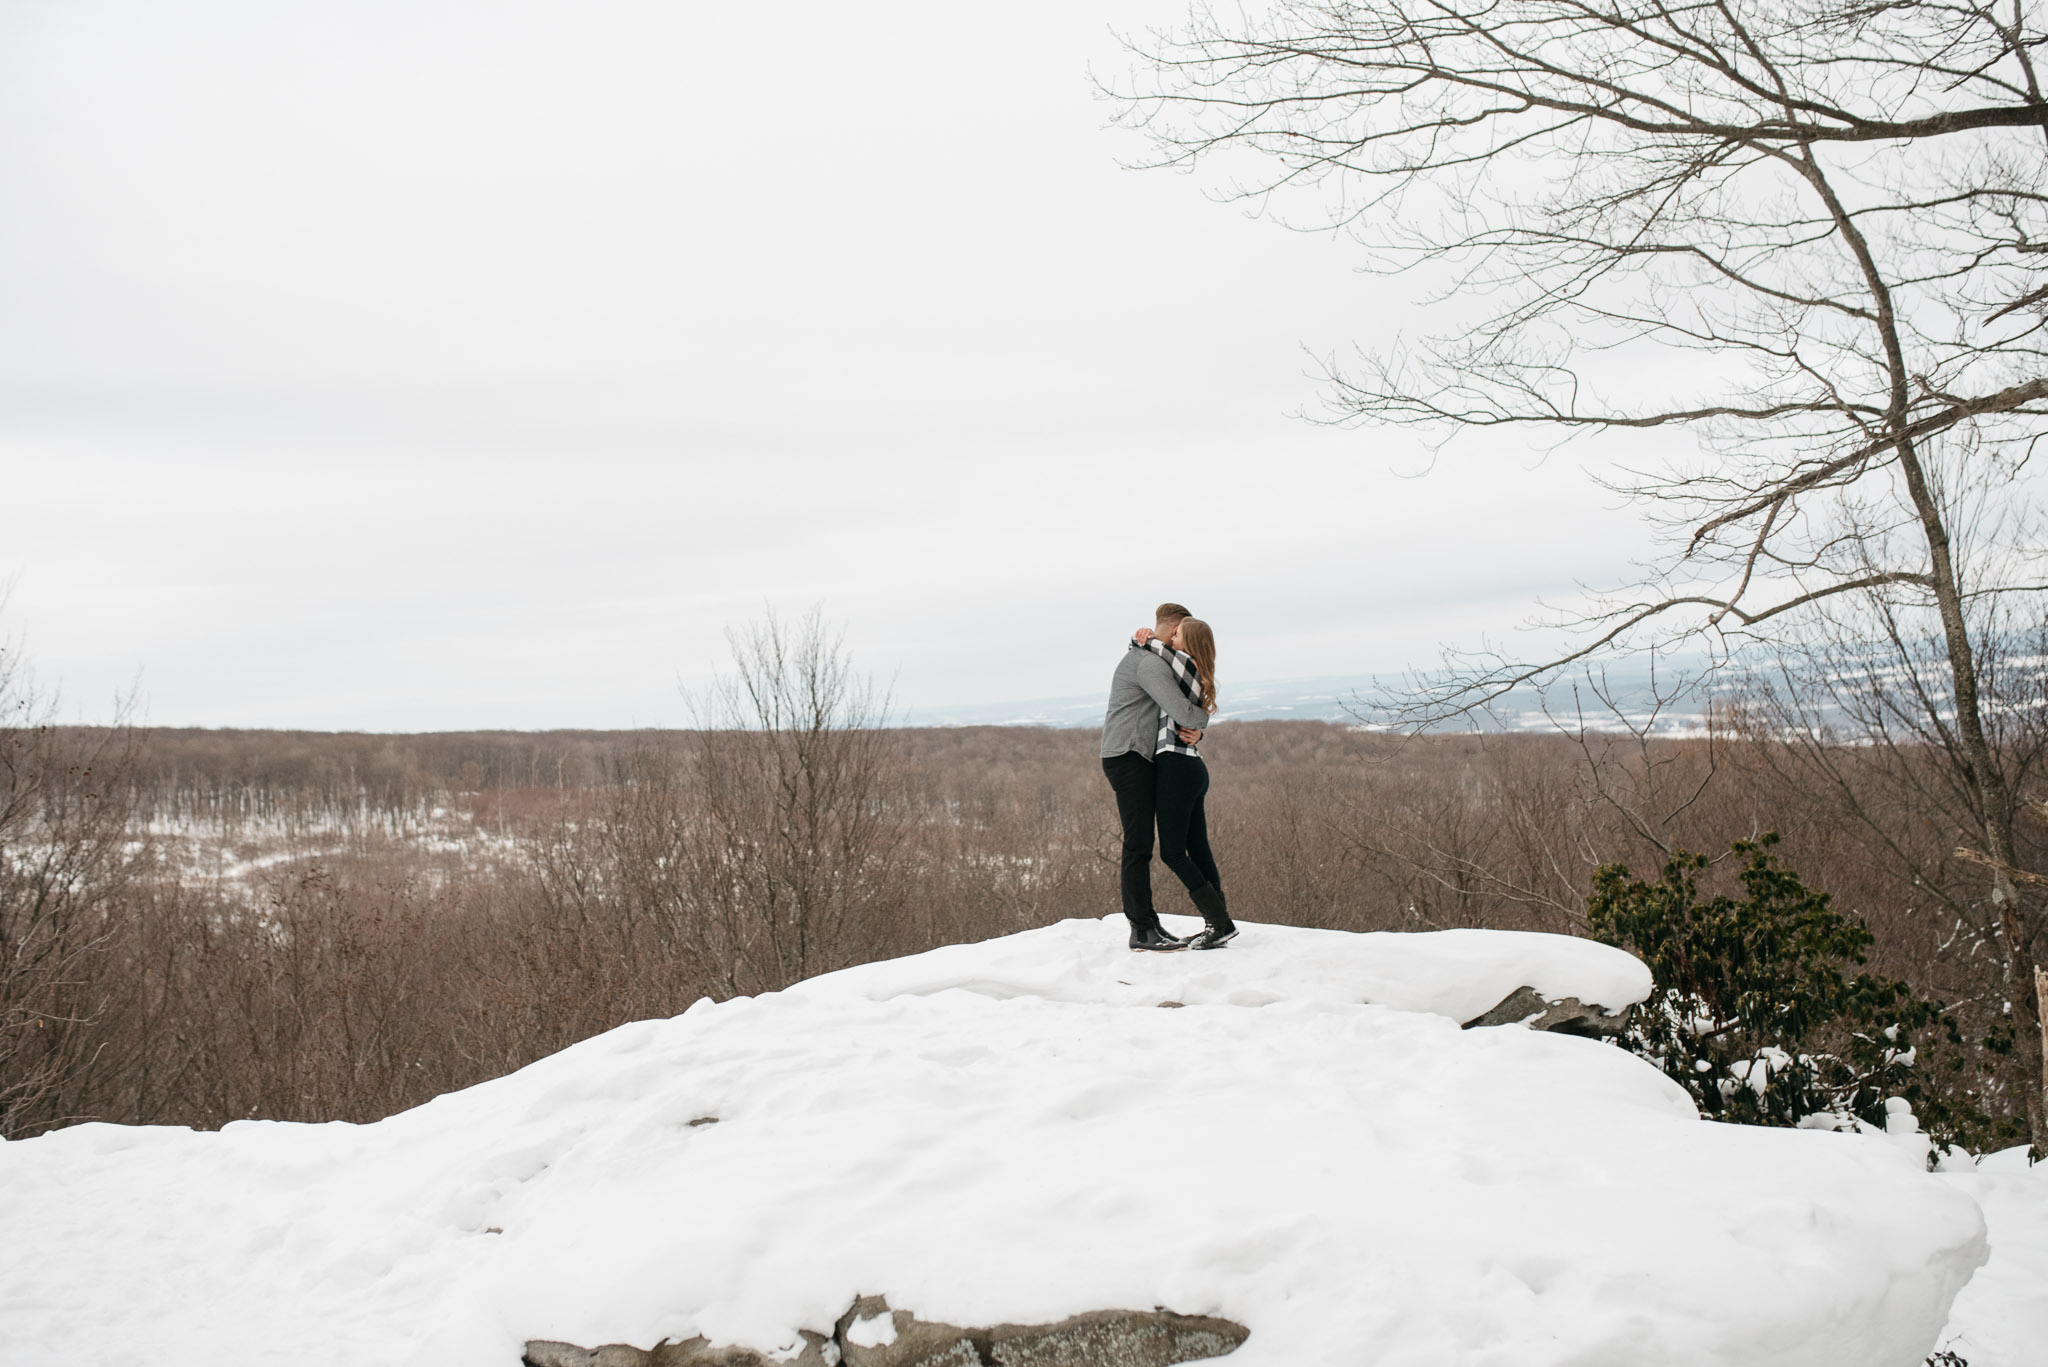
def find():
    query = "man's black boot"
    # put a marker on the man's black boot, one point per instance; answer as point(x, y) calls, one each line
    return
point(1153, 936)
point(1218, 929)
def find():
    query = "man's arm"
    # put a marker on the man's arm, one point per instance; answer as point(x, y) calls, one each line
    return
point(1155, 676)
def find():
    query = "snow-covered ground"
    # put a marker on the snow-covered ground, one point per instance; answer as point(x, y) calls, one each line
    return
point(1016, 1131)
point(1460, 974)
point(2001, 1318)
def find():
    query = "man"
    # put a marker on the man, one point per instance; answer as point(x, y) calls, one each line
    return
point(1142, 688)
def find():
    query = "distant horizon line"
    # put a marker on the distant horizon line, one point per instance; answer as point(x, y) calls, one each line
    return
point(1327, 698)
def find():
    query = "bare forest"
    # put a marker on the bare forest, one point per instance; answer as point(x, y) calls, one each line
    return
point(205, 926)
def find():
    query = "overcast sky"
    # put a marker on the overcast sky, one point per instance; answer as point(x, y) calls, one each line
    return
point(429, 364)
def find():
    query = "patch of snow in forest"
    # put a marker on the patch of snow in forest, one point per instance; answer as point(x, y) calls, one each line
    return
point(230, 854)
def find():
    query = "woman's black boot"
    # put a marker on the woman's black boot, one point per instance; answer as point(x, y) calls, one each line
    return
point(1219, 929)
point(1155, 937)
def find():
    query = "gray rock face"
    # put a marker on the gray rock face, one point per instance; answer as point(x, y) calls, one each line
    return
point(1114, 1338)
point(870, 1334)
point(1566, 1015)
point(549, 1353)
point(817, 1352)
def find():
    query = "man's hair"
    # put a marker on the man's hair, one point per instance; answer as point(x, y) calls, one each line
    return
point(1167, 616)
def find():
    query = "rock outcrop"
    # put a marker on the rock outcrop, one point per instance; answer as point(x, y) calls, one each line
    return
point(818, 1351)
point(870, 1334)
point(1566, 1015)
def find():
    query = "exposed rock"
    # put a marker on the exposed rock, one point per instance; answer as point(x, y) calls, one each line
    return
point(818, 1351)
point(1114, 1338)
point(549, 1353)
point(870, 1334)
point(703, 1353)
point(1566, 1015)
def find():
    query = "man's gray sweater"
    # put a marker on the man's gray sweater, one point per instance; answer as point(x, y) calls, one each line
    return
point(1141, 689)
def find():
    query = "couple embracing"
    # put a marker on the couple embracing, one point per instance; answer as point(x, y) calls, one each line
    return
point(1160, 702)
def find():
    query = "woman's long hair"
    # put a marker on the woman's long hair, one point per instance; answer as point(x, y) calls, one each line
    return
point(1199, 643)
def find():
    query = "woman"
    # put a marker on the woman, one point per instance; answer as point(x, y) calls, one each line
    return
point(1183, 780)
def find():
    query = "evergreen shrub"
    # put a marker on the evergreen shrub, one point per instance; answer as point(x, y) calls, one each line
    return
point(1762, 1012)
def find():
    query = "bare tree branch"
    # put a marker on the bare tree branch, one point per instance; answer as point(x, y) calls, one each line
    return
point(1810, 232)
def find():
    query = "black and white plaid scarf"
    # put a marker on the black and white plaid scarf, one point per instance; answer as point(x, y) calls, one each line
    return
point(1190, 680)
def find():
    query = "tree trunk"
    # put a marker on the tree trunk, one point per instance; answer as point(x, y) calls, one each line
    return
point(2040, 1074)
point(1994, 804)
point(1994, 799)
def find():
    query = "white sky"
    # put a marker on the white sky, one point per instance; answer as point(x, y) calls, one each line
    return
point(434, 364)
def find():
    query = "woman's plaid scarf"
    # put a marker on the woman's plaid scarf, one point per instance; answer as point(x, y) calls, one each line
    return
point(1190, 680)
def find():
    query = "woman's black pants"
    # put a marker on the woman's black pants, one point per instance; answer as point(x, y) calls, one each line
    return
point(1181, 782)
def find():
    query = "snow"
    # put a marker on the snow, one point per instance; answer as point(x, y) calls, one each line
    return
point(1013, 1131)
point(1461, 974)
point(875, 1331)
point(2001, 1318)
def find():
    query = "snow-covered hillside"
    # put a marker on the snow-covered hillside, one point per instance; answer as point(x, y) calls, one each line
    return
point(1018, 1132)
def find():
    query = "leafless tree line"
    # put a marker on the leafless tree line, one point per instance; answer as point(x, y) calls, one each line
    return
point(351, 980)
point(65, 812)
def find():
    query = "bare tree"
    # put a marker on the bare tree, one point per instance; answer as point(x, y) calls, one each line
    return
point(792, 846)
point(1522, 833)
point(65, 798)
point(1832, 208)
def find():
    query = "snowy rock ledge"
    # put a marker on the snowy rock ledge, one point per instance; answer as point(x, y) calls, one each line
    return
point(1012, 1133)
point(1462, 975)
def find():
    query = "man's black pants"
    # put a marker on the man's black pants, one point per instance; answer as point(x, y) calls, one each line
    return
point(1131, 776)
